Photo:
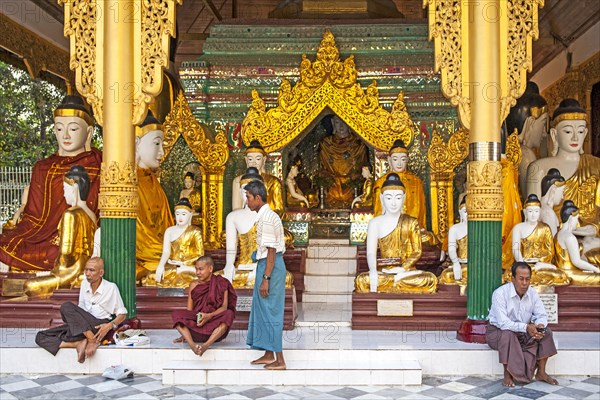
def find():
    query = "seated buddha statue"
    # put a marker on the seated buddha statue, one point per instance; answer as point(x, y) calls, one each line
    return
point(529, 116)
point(154, 216)
point(182, 246)
point(194, 196)
point(568, 131)
point(366, 198)
point(415, 204)
point(553, 187)
point(240, 229)
point(341, 156)
point(256, 156)
point(533, 243)
point(295, 197)
point(568, 254)
point(456, 274)
point(76, 237)
point(32, 245)
point(398, 237)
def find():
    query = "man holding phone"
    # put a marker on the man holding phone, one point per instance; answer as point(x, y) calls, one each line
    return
point(518, 329)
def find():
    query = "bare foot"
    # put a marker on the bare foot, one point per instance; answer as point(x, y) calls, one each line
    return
point(545, 378)
point(275, 365)
point(508, 381)
point(180, 339)
point(194, 347)
point(81, 351)
point(263, 360)
point(201, 349)
point(90, 348)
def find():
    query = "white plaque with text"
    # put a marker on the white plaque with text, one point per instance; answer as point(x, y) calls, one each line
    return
point(551, 304)
point(244, 303)
point(394, 308)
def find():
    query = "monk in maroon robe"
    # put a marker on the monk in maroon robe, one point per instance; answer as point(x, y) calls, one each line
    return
point(210, 309)
point(32, 245)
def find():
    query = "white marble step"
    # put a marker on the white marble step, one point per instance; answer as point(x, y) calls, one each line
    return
point(326, 297)
point(330, 267)
point(331, 252)
point(314, 372)
point(332, 284)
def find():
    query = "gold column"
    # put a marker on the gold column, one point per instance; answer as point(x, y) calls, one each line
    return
point(212, 209)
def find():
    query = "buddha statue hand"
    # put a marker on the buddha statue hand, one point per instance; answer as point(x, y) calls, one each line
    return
point(229, 272)
point(457, 269)
point(531, 260)
point(403, 274)
point(251, 277)
point(542, 265)
point(160, 272)
point(588, 230)
point(373, 280)
point(356, 200)
point(185, 268)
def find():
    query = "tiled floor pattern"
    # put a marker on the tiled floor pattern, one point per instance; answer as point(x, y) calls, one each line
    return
point(150, 387)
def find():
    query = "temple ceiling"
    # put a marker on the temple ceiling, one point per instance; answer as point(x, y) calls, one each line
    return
point(560, 21)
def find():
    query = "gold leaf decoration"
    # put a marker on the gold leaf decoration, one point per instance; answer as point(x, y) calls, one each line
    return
point(445, 157)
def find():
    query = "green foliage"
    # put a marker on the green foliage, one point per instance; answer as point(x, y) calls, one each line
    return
point(26, 117)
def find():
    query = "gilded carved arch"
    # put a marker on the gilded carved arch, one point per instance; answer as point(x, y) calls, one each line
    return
point(326, 82)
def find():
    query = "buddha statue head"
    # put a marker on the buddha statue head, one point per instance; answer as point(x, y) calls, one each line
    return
point(73, 126)
point(183, 212)
point(255, 156)
point(392, 195)
point(367, 171)
point(529, 117)
point(340, 129)
point(569, 214)
point(553, 186)
point(569, 127)
point(398, 157)
point(149, 143)
point(76, 185)
point(250, 175)
point(189, 180)
point(532, 208)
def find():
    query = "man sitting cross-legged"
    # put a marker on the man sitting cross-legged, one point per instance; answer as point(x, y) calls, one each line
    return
point(210, 309)
point(100, 310)
point(518, 329)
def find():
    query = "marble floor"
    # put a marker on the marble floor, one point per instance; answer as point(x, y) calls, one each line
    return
point(150, 387)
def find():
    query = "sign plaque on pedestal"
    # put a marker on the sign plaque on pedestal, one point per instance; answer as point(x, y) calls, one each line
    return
point(394, 308)
point(550, 301)
point(244, 303)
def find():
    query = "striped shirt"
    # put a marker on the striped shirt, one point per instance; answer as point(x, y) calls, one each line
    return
point(269, 232)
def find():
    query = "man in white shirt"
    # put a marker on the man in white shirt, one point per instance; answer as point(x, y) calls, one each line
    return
point(265, 326)
point(100, 309)
point(518, 329)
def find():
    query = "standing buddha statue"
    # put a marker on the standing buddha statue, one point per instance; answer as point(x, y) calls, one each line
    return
point(193, 195)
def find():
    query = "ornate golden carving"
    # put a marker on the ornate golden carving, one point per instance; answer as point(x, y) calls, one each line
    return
point(156, 27)
point(449, 29)
point(327, 82)
point(513, 149)
point(212, 157)
point(443, 159)
point(81, 19)
point(118, 196)
point(37, 53)
point(484, 191)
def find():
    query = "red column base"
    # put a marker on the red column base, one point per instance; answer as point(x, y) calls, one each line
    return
point(472, 331)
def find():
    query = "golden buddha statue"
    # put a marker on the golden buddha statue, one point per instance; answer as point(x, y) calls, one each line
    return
point(533, 243)
point(76, 237)
point(31, 245)
point(194, 196)
point(568, 255)
point(581, 171)
point(182, 247)
point(341, 157)
point(415, 204)
point(256, 156)
point(398, 237)
point(365, 200)
point(295, 197)
point(240, 229)
point(456, 273)
point(154, 216)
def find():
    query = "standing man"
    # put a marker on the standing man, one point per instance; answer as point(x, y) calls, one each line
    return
point(518, 329)
point(100, 310)
point(265, 327)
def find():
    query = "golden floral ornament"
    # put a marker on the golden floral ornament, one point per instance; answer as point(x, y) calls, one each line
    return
point(326, 83)
point(513, 149)
point(118, 196)
point(445, 157)
point(485, 201)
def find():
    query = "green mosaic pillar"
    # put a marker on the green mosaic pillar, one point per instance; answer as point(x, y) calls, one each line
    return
point(118, 252)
